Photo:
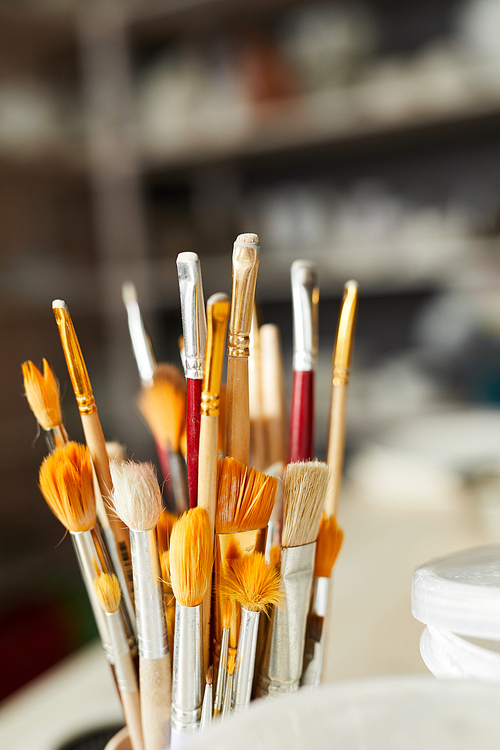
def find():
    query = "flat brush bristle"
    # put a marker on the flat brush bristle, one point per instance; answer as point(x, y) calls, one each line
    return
point(305, 486)
point(254, 583)
point(136, 496)
point(227, 613)
point(245, 497)
point(164, 529)
point(163, 405)
point(67, 485)
point(165, 568)
point(191, 557)
point(108, 592)
point(42, 393)
point(328, 544)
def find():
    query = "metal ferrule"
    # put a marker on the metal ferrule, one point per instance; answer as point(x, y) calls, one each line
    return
point(226, 706)
point(56, 437)
point(210, 404)
point(207, 708)
point(313, 658)
point(246, 253)
point(221, 674)
point(305, 297)
point(217, 315)
point(74, 359)
point(194, 326)
point(124, 666)
point(126, 605)
point(245, 659)
point(141, 344)
point(186, 676)
point(282, 662)
point(149, 601)
point(320, 595)
point(90, 567)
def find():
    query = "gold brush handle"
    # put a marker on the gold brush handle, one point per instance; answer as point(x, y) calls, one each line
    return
point(246, 253)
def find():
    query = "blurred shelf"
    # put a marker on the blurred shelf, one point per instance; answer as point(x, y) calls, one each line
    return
point(63, 159)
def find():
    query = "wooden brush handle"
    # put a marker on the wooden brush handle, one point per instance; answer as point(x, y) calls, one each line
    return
point(335, 452)
point(193, 436)
point(301, 443)
point(273, 395)
point(97, 448)
point(132, 712)
point(237, 410)
point(156, 696)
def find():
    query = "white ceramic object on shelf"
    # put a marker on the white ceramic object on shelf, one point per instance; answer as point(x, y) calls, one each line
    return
point(458, 598)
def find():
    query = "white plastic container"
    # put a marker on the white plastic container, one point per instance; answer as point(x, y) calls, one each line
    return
point(458, 598)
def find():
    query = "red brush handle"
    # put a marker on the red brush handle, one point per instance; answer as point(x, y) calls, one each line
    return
point(301, 443)
point(193, 437)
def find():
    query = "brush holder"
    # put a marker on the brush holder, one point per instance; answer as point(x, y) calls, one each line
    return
point(458, 599)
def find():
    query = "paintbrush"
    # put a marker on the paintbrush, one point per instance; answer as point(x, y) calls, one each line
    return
point(228, 693)
point(207, 707)
point(342, 355)
point(120, 551)
point(305, 297)
point(194, 328)
point(42, 394)
point(276, 520)
point(257, 434)
point(273, 395)
point(245, 499)
point(328, 546)
point(163, 406)
point(66, 482)
point(227, 618)
point(108, 595)
point(191, 574)
point(255, 585)
point(246, 253)
point(164, 531)
point(137, 500)
point(304, 495)
point(141, 343)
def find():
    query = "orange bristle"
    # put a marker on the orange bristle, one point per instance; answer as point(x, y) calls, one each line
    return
point(328, 544)
point(245, 497)
point(67, 485)
point(108, 591)
point(191, 557)
point(231, 663)
point(253, 583)
point(163, 405)
point(233, 550)
point(165, 569)
point(274, 555)
point(164, 528)
point(227, 613)
point(42, 393)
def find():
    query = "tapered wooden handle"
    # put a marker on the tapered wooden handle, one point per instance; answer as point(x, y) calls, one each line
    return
point(237, 410)
point(132, 713)
point(336, 442)
point(156, 697)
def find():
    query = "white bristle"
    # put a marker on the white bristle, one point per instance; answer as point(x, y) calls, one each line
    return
point(305, 486)
point(136, 496)
point(116, 451)
point(129, 292)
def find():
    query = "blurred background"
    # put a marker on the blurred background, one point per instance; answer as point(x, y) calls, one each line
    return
point(362, 135)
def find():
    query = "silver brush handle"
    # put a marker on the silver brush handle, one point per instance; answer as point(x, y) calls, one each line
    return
point(207, 708)
point(245, 659)
point(282, 663)
point(186, 677)
point(194, 324)
point(124, 666)
point(305, 314)
point(149, 600)
point(221, 673)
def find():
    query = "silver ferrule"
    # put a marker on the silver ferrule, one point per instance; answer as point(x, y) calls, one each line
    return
point(207, 708)
point(141, 344)
point(194, 323)
point(226, 706)
point(86, 554)
point(282, 662)
point(126, 605)
point(149, 600)
point(320, 595)
point(245, 659)
point(305, 297)
point(221, 674)
point(124, 666)
point(314, 649)
point(186, 675)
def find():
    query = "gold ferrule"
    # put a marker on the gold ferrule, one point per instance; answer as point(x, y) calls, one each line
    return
point(345, 332)
point(238, 346)
point(247, 542)
point(217, 317)
point(75, 362)
point(340, 375)
point(246, 253)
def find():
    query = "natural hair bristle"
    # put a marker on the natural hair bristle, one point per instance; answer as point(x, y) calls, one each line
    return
point(136, 496)
point(210, 675)
point(274, 555)
point(108, 592)
point(165, 569)
point(163, 405)
point(164, 529)
point(116, 451)
point(227, 613)
point(253, 583)
point(231, 663)
point(305, 484)
point(191, 557)
point(328, 544)
point(42, 394)
point(245, 497)
point(67, 485)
